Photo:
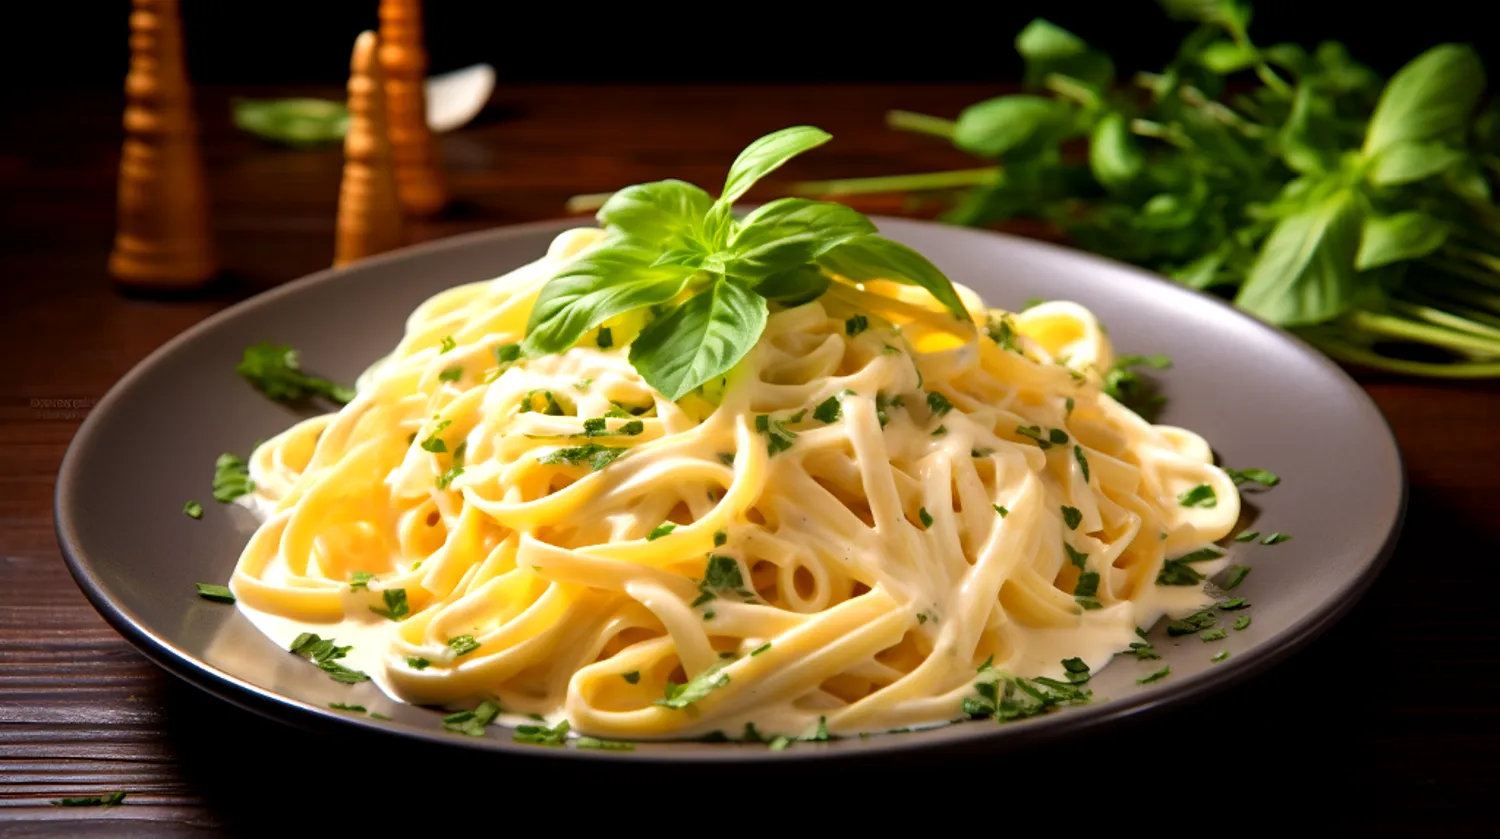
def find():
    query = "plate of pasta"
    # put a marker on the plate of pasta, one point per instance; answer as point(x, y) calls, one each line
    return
point(706, 482)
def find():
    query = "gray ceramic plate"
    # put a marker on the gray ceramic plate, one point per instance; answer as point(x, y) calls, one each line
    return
point(1260, 397)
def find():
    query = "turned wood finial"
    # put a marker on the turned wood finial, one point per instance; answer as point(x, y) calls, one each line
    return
point(369, 219)
point(419, 174)
point(162, 239)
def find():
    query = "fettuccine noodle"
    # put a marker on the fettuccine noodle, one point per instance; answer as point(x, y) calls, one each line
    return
point(854, 566)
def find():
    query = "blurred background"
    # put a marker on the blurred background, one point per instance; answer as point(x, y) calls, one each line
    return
point(307, 41)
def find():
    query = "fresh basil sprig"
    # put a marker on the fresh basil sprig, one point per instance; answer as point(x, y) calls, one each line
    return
point(707, 278)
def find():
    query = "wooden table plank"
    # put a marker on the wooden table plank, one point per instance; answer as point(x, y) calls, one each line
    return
point(1387, 724)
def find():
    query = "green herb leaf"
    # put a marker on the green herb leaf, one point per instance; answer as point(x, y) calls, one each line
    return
point(451, 374)
point(231, 479)
point(1156, 677)
point(1075, 556)
point(663, 213)
point(855, 325)
point(447, 345)
point(1248, 536)
point(1242, 622)
point(700, 686)
point(292, 122)
point(594, 455)
point(275, 371)
point(1304, 272)
point(107, 800)
point(216, 593)
point(605, 338)
point(1144, 651)
point(463, 644)
point(1431, 98)
point(541, 735)
point(193, 510)
point(660, 531)
point(765, 156)
point(1195, 622)
point(1263, 477)
point(925, 517)
point(472, 723)
point(1201, 495)
point(603, 745)
point(1275, 539)
point(1237, 575)
point(1398, 238)
point(938, 403)
point(874, 258)
point(1072, 516)
point(340, 706)
point(699, 340)
point(762, 648)
point(1216, 635)
point(1114, 155)
point(1019, 122)
point(417, 662)
point(360, 581)
point(828, 411)
point(396, 606)
point(1410, 161)
point(1048, 49)
point(790, 232)
point(602, 283)
point(1002, 511)
point(1220, 656)
point(793, 287)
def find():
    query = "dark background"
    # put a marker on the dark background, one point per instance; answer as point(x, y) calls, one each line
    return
point(307, 41)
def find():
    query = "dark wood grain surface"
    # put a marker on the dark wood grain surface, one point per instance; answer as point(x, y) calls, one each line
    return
point(1389, 723)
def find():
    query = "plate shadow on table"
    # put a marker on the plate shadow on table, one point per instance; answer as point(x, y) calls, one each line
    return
point(1287, 741)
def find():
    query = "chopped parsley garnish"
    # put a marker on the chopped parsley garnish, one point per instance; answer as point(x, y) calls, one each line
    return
point(1075, 556)
point(780, 743)
point(595, 427)
point(1156, 677)
point(596, 456)
point(1068, 405)
point(1196, 622)
point(1241, 622)
point(417, 662)
point(448, 477)
point(541, 735)
point(507, 353)
point(1216, 635)
point(276, 371)
point(447, 344)
point(1076, 670)
point(779, 437)
point(723, 572)
point(855, 325)
point(681, 696)
point(1087, 587)
point(1234, 604)
point(1237, 575)
point(339, 706)
point(605, 339)
point(1127, 387)
point(981, 452)
point(1083, 462)
point(193, 510)
point(1006, 698)
point(660, 531)
point(925, 517)
point(828, 411)
point(1275, 539)
point(762, 648)
point(797, 417)
point(1143, 651)
point(1220, 656)
point(938, 403)
point(1002, 332)
point(323, 652)
point(1057, 436)
point(727, 458)
point(360, 581)
point(604, 745)
point(376, 715)
point(109, 799)
point(1035, 433)
point(720, 537)
point(1072, 516)
point(1248, 536)
point(550, 407)
point(1264, 477)
point(216, 593)
point(1201, 495)
point(1178, 572)
point(231, 479)
point(396, 606)
point(472, 723)
point(451, 374)
point(633, 677)
point(1002, 511)
point(940, 431)
point(463, 644)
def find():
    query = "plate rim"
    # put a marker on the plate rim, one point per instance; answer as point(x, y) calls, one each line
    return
point(1065, 723)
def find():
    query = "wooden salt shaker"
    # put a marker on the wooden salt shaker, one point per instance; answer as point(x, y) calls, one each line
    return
point(419, 175)
point(369, 219)
point(162, 241)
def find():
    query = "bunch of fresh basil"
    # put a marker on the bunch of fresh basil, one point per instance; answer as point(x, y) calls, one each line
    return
point(1358, 213)
point(708, 278)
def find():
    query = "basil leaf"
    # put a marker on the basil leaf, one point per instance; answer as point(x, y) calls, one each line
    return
point(878, 258)
point(1410, 161)
point(790, 232)
point(590, 291)
point(1308, 141)
point(700, 339)
point(292, 122)
point(802, 284)
point(1048, 48)
point(1304, 272)
point(765, 156)
point(1431, 98)
point(996, 126)
point(1227, 57)
point(1397, 238)
point(1114, 156)
point(663, 212)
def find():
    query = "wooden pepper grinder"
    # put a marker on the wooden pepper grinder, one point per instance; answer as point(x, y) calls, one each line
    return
point(419, 175)
point(369, 219)
point(162, 239)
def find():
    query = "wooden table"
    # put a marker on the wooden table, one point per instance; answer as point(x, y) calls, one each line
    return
point(1387, 723)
